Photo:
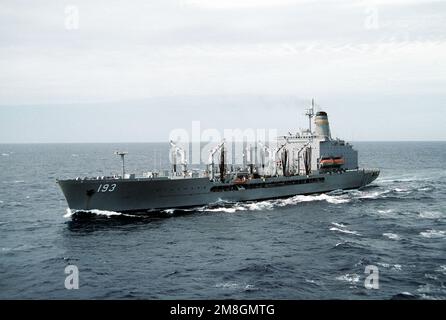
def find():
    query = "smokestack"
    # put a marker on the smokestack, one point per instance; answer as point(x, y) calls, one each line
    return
point(322, 125)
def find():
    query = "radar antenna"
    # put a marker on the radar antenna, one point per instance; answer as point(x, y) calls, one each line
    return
point(122, 154)
point(310, 115)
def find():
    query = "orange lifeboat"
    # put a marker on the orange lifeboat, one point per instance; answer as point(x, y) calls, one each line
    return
point(327, 162)
point(330, 162)
point(338, 161)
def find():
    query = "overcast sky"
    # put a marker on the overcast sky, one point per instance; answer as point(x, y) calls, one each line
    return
point(119, 71)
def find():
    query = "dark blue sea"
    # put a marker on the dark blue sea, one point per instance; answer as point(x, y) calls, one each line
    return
point(305, 247)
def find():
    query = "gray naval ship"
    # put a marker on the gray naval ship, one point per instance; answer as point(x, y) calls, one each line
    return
point(308, 162)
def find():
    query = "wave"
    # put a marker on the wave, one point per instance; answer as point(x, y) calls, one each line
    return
point(227, 285)
point(222, 209)
point(345, 231)
point(228, 207)
point(431, 214)
point(13, 181)
point(73, 213)
point(315, 282)
point(405, 296)
point(393, 180)
point(441, 269)
point(395, 267)
point(431, 234)
point(339, 225)
point(235, 286)
point(339, 244)
point(386, 211)
point(19, 248)
point(350, 278)
point(426, 189)
point(392, 236)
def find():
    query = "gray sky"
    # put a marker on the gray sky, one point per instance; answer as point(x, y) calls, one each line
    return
point(134, 70)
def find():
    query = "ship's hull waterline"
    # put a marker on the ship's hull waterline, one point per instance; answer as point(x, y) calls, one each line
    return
point(145, 194)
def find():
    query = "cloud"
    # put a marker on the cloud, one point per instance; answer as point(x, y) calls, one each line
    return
point(161, 48)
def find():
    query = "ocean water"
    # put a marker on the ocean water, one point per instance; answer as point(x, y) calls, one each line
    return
point(304, 247)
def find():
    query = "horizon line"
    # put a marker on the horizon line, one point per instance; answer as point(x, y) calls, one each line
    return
point(141, 142)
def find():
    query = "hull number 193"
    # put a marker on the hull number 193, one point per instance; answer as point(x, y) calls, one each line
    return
point(107, 187)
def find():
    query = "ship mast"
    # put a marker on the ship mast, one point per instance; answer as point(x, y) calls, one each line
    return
point(310, 115)
point(122, 154)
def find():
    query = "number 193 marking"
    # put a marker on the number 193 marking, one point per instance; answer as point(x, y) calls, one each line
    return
point(107, 187)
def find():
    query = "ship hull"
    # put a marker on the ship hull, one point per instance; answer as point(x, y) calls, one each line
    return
point(143, 195)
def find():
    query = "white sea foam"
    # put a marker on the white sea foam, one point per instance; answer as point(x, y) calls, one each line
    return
point(441, 269)
point(433, 234)
point(395, 267)
point(5, 154)
point(316, 282)
point(387, 211)
point(69, 213)
point(234, 286)
point(250, 287)
point(302, 199)
point(322, 197)
point(97, 212)
point(398, 267)
point(271, 204)
point(222, 209)
point(109, 213)
point(345, 231)
point(264, 205)
point(339, 225)
point(392, 236)
point(426, 288)
point(373, 195)
point(350, 278)
point(227, 285)
point(431, 214)
point(430, 276)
